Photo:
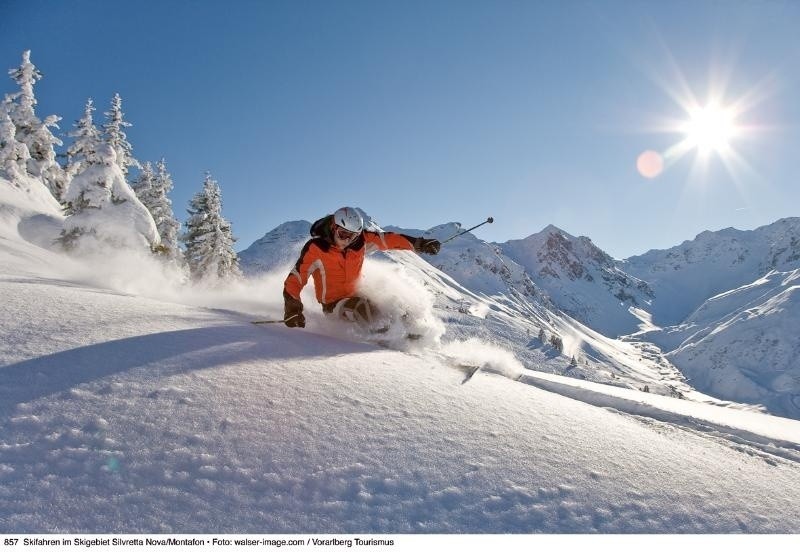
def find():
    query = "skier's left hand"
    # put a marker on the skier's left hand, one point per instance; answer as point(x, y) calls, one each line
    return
point(429, 246)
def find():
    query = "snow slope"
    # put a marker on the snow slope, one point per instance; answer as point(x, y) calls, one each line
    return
point(122, 412)
point(743, 345)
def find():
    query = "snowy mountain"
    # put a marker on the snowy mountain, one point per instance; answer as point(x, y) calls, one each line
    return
point(743, 345)
point(133, 403)
point(582, 280)
point(659, 288)
point(736, 334)
point(278, 248)
point(727, 303)
point(685, 276)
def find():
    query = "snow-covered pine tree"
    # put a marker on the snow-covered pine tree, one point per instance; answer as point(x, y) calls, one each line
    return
point(86, 139)
point(33, 132)
point(13, 153)
point(14, 157)
point(208, 237)
point(103, 209)
point(152, 189)
point(167, 223)
point(114, 130)
point(143, 185)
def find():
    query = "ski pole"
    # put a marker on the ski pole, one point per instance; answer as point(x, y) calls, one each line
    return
point(273, 321)
point(487, 221)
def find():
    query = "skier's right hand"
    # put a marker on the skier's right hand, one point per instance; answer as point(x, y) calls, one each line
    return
point(295, 321)
point(293, 312)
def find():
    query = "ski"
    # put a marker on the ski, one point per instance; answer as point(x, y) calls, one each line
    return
point(274, 321)
point(469, 371)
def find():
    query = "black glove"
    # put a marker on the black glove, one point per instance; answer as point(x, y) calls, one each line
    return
point(293, 312)
point(431, 247)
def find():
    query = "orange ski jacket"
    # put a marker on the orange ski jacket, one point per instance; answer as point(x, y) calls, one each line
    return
point(336, 271)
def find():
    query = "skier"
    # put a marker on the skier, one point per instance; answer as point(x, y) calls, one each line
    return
point(333, 257)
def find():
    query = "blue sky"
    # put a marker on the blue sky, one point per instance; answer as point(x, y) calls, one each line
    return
point(425, 112)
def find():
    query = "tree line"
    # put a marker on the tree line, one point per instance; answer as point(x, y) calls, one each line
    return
point(107, 195)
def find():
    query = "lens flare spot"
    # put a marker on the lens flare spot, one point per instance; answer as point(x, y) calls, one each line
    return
point(113, 464)
point(650, 164)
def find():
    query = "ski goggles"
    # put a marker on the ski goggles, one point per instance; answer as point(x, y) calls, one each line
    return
point(343, 234)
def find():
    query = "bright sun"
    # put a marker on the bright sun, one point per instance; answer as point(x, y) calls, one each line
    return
point(710, 131)
point(710, 128)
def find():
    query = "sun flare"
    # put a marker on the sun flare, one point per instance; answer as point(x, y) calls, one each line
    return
point(713, 131)
point(709, 131)
point(710, 128)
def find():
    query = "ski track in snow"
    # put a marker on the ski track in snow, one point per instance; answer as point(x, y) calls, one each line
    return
point(782, 442)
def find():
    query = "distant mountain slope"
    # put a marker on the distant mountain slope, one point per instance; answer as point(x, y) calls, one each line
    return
point(582, 279)
point(683, 277)
point(743, 345)
point(276, 248)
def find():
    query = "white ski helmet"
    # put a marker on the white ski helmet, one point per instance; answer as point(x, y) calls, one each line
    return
point(349, 219)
